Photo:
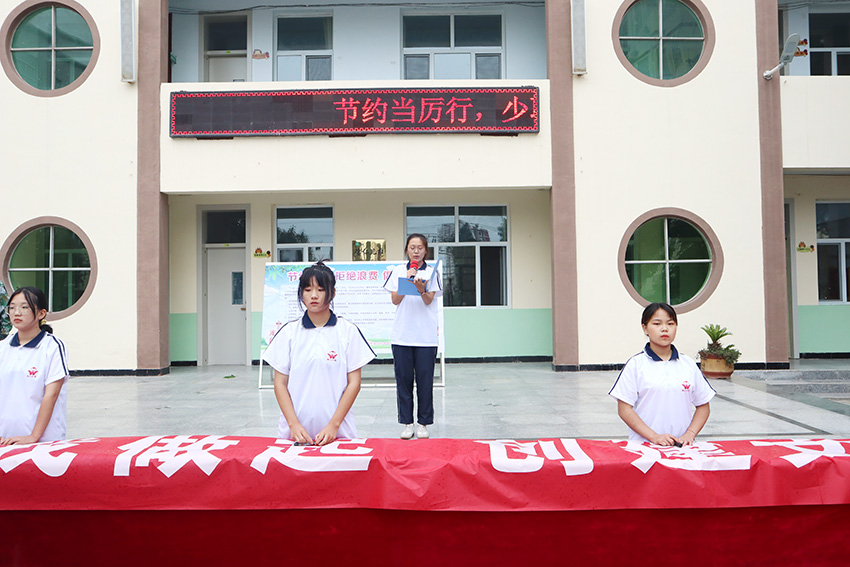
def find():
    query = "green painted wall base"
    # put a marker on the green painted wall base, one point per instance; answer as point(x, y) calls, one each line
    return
point(823, 328)
point(470, 333)
point(498, 332)
point(183, 337)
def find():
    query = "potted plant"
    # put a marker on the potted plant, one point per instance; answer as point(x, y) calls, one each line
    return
point(5, 322)
point(716, 360)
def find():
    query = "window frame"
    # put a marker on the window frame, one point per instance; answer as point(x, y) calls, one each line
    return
point(717, 261)
point(709, 38)
point(833, 60)
point(305, 246)
point(435, 248)
point(17, 235)
point(834, 52)
point(220, 54)
point(842, 244)
point(10, 26)
point(303, 54)
point(473, 51)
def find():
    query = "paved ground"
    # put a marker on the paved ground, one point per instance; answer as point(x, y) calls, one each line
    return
point(480, 401)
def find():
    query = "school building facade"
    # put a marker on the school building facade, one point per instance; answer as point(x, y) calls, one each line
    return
point(659, 165)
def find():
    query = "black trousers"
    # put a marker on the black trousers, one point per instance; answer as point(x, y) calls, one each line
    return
point(411, 364)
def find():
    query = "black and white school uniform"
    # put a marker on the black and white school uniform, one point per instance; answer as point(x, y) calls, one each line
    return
point(25, 371)
point(662, 392)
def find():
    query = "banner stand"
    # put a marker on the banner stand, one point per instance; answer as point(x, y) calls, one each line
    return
point(360, 297)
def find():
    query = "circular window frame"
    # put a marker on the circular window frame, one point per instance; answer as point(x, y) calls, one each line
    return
point(10, 25)
point(709, 38)
point(714, 247)
point(23, 231)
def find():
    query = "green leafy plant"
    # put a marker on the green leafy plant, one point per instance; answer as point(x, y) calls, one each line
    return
point(5, 322)
point(716, 350)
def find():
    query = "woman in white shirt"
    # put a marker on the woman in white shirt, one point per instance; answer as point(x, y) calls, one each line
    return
point(414, 337)
point(317, 361)
point(661, 394)
point(33, 371)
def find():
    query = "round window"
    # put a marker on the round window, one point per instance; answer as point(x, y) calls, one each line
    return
point(56, 258)
point(663, 42)
point(50, 47)
point(670, 256)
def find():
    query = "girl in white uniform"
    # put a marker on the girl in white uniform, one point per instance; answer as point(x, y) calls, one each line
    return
point(657, 387)
point(414, 337)
point(33, 371)
point(317, 361)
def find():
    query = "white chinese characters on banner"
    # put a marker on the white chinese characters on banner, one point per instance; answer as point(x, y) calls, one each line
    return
point(338, 456)
point(805, 453)
point(41, 455)
point(574, 459)
point(696, 457)
point(172, 454)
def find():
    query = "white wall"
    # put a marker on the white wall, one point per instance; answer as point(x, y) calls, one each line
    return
point(694, 147)
point(186, 46)
point(815, 122)
point(525, 42)
point(74, 157)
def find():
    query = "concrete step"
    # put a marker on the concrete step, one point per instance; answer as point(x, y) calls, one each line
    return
point(783, 376)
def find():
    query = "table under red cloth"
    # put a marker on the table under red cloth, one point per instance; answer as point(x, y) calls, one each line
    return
point(428, 502)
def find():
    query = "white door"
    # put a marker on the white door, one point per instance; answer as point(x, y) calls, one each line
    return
point(226, 308)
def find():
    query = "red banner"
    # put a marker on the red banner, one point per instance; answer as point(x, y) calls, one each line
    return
point(251, 473)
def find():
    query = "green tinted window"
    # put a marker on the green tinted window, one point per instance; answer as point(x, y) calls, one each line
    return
point(52, 47)
point(54, 259)
point(663, 39)
point(668, 259)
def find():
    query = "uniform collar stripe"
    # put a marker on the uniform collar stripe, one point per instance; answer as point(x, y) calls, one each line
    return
point(16, 342)
point(308, 324)
point(651, 353)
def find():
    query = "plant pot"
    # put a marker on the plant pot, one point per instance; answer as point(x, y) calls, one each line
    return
point(715, 367)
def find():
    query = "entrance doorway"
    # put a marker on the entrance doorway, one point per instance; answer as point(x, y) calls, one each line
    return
point(225, 286)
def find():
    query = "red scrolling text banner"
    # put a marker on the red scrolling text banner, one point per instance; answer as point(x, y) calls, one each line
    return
point(478, 110)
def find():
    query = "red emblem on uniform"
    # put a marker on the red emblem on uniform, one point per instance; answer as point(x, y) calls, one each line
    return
point(32, 372)
point(685, 386)
point(332, 356)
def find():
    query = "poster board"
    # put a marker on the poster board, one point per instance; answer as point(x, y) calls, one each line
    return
point(360, 298)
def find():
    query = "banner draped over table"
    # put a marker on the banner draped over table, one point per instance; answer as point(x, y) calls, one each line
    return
point(253, 473)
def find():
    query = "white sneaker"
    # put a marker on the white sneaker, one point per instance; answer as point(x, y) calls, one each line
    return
point(407, 433)
point(422, 431)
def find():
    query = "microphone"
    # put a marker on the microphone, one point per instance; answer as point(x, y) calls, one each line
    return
point(415, 265)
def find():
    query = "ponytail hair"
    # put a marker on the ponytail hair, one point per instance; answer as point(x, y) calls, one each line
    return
point(37, 301)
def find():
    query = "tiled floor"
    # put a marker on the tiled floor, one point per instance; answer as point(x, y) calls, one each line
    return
point(480, 401)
